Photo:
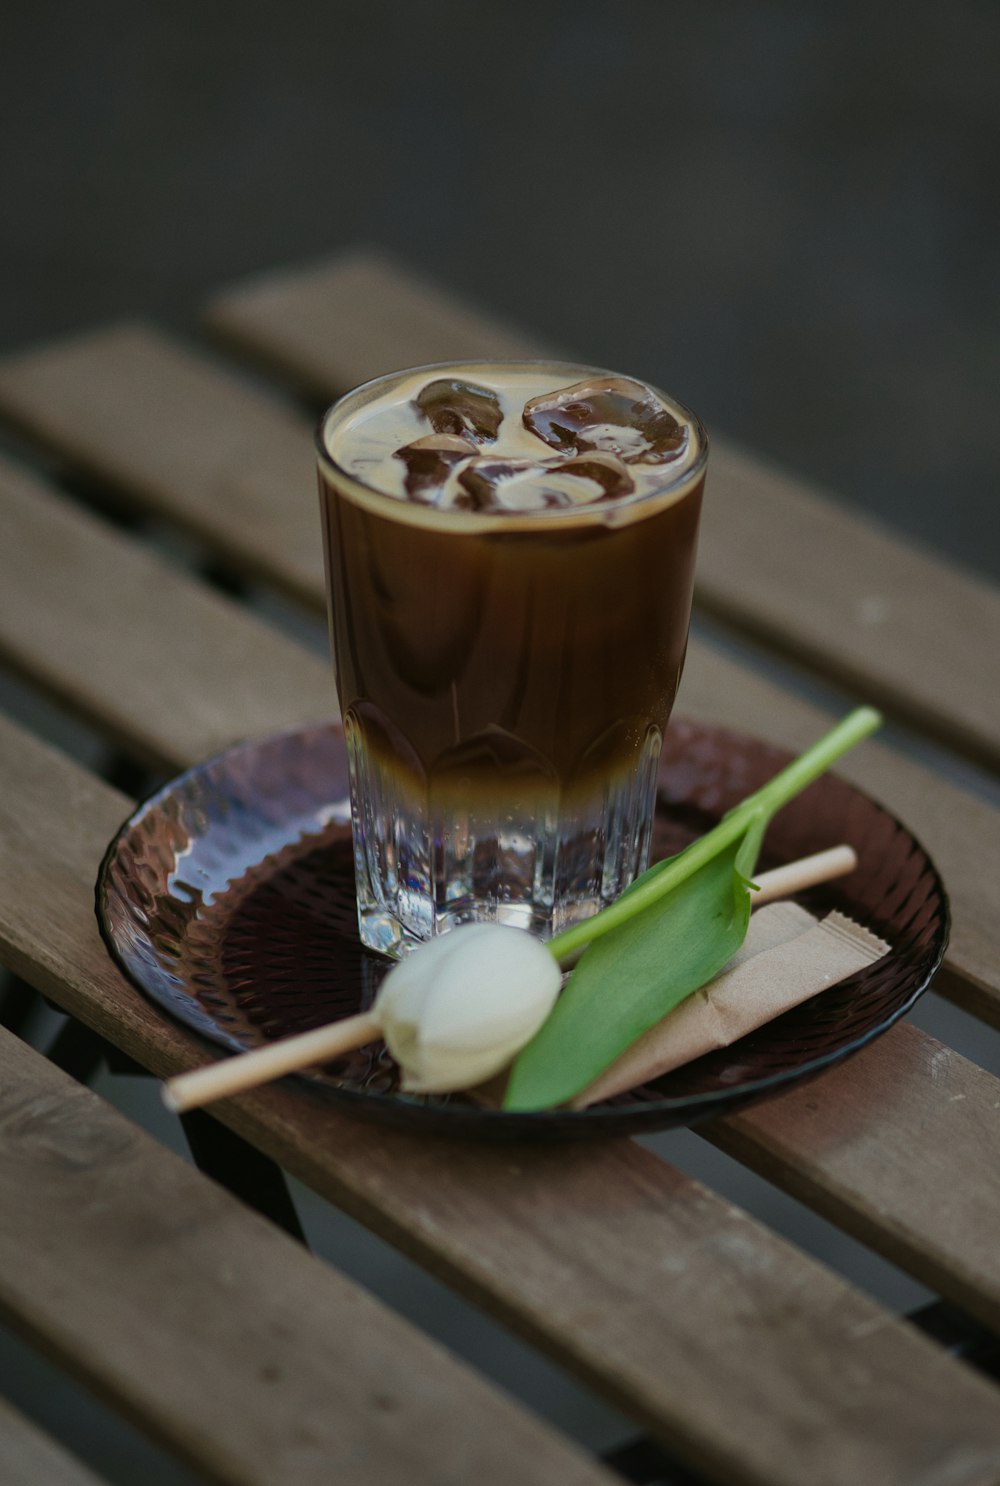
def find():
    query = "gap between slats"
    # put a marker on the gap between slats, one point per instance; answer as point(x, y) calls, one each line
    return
point(28, 1457)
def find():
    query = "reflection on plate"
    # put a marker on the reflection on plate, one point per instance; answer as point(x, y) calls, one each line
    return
point(228, 898)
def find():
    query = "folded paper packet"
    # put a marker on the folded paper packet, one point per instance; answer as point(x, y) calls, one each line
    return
point(787, 957)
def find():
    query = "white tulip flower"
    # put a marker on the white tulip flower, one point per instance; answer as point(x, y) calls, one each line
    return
point(454, 1012)
point(459, 1008)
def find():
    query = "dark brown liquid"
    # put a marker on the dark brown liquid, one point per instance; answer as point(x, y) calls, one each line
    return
point(562, 644)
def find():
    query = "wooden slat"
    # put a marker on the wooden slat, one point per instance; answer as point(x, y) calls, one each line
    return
point(835, 589)
point(818, 581)
point(215, 1331)
point(317, 325)
point(871, 1142)
point(182, 438)
point(753, 1361)
point(169, 668)
point(29, 1458)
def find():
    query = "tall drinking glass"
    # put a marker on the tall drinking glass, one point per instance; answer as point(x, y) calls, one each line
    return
point(506, 661)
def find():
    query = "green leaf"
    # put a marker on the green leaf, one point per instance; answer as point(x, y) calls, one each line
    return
point(632, 976)
point(670, 932)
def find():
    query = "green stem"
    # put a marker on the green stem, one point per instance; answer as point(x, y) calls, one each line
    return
point(792, 780)
point(765, 802)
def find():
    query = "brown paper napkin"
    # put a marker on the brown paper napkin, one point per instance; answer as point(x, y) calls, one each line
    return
point(787, 957)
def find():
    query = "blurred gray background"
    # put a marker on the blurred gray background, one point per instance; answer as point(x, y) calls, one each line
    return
point(786, 213)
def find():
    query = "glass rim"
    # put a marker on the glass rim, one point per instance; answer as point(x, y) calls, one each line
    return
point(598, 513)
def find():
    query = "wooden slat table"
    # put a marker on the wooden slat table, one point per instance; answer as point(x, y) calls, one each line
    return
point(749, 1360)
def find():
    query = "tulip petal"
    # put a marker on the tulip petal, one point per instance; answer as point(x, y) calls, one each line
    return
point(459, 1008)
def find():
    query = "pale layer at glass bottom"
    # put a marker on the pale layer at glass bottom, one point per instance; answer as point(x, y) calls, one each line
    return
point(430, 855)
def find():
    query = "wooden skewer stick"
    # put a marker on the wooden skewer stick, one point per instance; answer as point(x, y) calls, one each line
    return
point(795, 877)
point(309, 1049)
point(262, 1064)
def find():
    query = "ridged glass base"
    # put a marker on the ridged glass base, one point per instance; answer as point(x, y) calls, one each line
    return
point(490, 834)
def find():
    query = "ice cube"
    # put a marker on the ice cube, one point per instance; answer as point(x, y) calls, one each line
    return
point(606, 471)
point(461, 408)
point(612, 414)
point(429, 461)
point(502, 484)
point(538, 485)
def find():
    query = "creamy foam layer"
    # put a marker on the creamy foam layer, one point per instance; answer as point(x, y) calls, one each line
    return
point(363, 434)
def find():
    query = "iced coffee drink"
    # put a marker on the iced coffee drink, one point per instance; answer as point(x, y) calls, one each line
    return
point(510, 554)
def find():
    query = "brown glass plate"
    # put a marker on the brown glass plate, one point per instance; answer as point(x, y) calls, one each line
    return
point(228, 898)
